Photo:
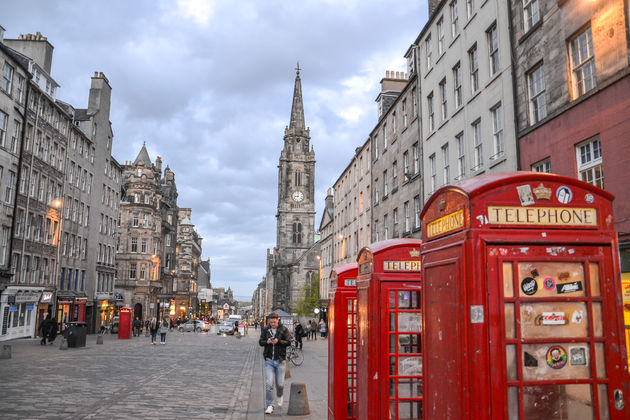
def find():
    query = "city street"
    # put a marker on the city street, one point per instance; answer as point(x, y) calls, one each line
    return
point(192, 376)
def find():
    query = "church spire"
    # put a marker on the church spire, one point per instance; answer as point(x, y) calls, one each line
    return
point(297, 109)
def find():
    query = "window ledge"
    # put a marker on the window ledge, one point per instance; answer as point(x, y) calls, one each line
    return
point(454, 39)
point(531, 30)
point(498, 160)
point(472, 98)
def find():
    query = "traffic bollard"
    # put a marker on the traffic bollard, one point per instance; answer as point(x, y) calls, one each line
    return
point(298, 400)
point(5, 353)
point(99, 339)
point(63, 345)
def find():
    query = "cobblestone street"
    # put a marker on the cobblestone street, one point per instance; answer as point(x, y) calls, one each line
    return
point(192, 376)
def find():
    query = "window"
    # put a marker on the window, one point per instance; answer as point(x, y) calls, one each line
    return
point(143, 246)
point(457, 85)
point(497, 131)
point(493, 49)
point(583, 63)
point(376, 233)
point(443, 108)
point(384, 137)
point(145, 220)
point(430, 111)
point(143, 271)
point(406, 172)
point(395, 217)
point(20, 89)
point(429, 52)
point(15, 137)
point(9, 192)
point(542, 166)
point(394, 127)
point(394, 175)
point(417, 209)
point(440, 31)
point(589, 162)
point(416, 158)
point(376, 196)
point(470, 8)
point(136, 220)
point(386, 228)
point(4, 121)
point(4, 242)
point(461, 168)
point(454, 19)
point(537, 98)
point(132, 270)
point(375, 142)
point(168, 240)
point(404, 113)
point(297, 233)
point(531, 13)
point(446, 172)
point(7, 78)
point(134, 244)
point(432, 165)
point(477, 143)
point(385, 184)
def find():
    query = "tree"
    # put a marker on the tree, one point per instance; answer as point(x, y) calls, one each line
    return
point(309, 297)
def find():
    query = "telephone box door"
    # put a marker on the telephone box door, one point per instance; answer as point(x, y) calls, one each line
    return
point(401, 353)
point(557, 333)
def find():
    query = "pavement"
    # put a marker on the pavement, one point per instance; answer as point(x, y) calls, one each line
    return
point(195, 375)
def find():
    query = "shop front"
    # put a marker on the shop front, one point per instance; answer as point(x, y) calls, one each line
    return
point(522, 301)
point(44, 308)
point(19, 306)
point(105, 313)
point(70, 307)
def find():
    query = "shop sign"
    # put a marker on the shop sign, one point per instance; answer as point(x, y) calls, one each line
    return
point(27, 297)
point(448, 223)
point(401, 266)
point(46, 297)
point(30, 307)
point(554, 318)
point(11, 299)
point(13, 309)
point(555, 216)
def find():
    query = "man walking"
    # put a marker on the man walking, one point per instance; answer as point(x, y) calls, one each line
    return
point(275, 339)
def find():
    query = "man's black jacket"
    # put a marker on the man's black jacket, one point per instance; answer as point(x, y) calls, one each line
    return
point(276, 351)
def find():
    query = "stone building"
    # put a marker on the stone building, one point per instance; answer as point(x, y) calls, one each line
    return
point(466, 89)
point(13, 100)
point(91, 206)
point(573, 88)
point(294, 260)
point(188, 259)
point(142, 238)
point(40, 180)
point(326, 245)
point(395, 169)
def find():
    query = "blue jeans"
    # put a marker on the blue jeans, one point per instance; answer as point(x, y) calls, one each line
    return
point(154, 337)
point(274, 368)
point(163, 337)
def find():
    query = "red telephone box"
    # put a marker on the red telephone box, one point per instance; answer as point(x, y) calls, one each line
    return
point(124, 322)
point(522, 301)
point(342, 343)
point(389, 358)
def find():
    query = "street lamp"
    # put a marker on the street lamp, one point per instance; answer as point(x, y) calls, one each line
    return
point(58, 205)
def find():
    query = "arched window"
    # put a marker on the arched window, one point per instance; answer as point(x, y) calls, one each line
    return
point(298, 178)
point(297, 233)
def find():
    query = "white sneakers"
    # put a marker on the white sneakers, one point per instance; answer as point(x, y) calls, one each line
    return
point(269, 409)
point(280, 401)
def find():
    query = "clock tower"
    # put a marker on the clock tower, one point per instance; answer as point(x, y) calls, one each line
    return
point(295, 217)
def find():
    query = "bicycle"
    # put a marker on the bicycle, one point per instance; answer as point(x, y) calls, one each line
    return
point(294, 354)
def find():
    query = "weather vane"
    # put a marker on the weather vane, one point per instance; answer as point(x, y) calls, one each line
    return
point(298, 68)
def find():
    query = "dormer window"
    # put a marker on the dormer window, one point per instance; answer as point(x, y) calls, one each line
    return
point(139, 173)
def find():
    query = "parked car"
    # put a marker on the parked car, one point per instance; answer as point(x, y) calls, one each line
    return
point(226, 327)
point(195, 325)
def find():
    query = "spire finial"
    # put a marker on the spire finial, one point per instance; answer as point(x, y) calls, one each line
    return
point(298, 68)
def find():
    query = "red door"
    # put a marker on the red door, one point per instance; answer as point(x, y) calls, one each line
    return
point(555, 345)
point(401, 341)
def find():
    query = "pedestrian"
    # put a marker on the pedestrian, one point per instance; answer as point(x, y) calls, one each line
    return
point(44, 329)
point(163, 330)
point(52, 330)
point(153, 327)
point(136, 327)
point(147, 322)
point(299, 333)
point(323, 328)
point(313, 330)
point(275, 339)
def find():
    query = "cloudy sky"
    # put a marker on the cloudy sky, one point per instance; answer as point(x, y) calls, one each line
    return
point(208, 85)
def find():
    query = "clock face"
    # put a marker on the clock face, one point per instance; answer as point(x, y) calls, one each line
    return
point(297, 196)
